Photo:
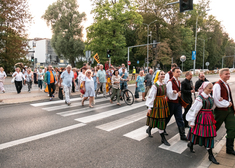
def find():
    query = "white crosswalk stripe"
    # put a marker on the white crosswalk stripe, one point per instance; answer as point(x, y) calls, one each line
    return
point(65, 106)
point(57, 102)
point(177, 145)
point(109, 113)
point(85, 110)
point(138, 134)
point(122, 122)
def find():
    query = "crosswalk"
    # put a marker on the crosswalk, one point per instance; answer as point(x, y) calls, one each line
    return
point(130, 120)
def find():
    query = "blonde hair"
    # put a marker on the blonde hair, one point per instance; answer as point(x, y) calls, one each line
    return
point(223, 70)
point(88, 71)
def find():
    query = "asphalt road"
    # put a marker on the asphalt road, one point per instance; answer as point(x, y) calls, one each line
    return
point(51, 134)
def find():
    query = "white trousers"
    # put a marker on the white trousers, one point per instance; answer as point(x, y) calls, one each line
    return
point(67, 92)
point(1, 87)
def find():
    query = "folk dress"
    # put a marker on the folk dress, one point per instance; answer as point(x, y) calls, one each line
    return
point(200, 115)
point(158, 103)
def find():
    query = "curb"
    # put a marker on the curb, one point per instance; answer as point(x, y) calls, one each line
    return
point(219, 145)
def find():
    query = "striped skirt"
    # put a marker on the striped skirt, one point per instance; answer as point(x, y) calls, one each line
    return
point(159, 113)
point(204, 130)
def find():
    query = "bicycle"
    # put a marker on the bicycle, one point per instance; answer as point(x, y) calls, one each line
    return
point(126, 95)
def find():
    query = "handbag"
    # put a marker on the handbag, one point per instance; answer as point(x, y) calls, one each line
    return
point(61, 93)
point(82, 91)
point(13, 80)
point(137, 93)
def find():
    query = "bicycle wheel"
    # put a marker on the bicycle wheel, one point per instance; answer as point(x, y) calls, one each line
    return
point(110, 91)
point(128, 97)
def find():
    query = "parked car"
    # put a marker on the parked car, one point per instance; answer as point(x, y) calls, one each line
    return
point(216, 70)
point(231, 69)
point(197, 71)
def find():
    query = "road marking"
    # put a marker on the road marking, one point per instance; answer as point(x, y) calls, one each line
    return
point(39, 136)
point(140, 133)
point(122, 122)
point(72, 105)
point(54, 102)
point(177, 145)
point(109, 113)
point(58, 102)
point(84, 110)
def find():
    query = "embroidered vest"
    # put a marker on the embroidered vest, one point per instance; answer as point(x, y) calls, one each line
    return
point(174, 87)
point(207, 103)
point(161, 90)
point(170, 75)
point(224, 94)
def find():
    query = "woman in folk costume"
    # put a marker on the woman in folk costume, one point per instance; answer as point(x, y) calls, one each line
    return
point(202, 122)
point(158, 109)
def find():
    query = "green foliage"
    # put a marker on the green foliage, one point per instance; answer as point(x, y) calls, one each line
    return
point(113, 22)
point(65, 20)
point(14, 16)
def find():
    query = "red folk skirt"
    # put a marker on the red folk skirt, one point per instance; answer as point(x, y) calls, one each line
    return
point(204, 130)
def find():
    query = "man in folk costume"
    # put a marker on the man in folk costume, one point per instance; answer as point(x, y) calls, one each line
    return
point(169, 74)
point(158, 109)
point(174, 102)
point(224, 111)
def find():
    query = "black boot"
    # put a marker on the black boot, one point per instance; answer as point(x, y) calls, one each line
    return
point(229, 146)
point(211, 157)
point(148, 131)
point(182, 134)
point(164, 140)
point(190, 145)
point(165, 133)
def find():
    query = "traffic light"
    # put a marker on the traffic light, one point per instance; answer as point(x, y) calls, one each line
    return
point(108, 54)
point(32, 58)
point(186, 5)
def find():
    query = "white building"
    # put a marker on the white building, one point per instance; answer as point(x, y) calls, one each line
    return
point(42, 53)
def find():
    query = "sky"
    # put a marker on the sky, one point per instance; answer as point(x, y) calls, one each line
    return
point(222, 10)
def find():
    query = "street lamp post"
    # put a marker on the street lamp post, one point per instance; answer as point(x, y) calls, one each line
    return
point(148, 41)
point(203, 51)
point(194, 63)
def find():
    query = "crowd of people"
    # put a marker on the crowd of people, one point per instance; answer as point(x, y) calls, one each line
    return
point(212, 107)
point(164, 94)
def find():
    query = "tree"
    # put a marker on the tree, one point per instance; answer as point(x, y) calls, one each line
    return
point(108, 30)
point(14, 17)
point(65, 21)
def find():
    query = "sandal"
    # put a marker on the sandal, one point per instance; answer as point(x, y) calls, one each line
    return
point(111, 101)
point(119, 104)
point(82, 102)
point(91, 106)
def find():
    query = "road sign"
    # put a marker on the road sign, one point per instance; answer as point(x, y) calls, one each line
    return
point(183, 58)
point(129, 62)
point(207, 63)
point(96, 57)
point(138, 62)
point(193, 55)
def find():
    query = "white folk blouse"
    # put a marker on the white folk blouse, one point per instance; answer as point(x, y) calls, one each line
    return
point(152, 95)
point(195, 108)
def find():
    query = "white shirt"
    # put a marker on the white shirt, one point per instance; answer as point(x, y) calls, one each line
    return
point(195, 108)
point(216, 95)
point(170, 94)
point(81, 76)
point(167, 77)
point(18, 76)
point(120, 71)
point(152, 95)
point(2, 75)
